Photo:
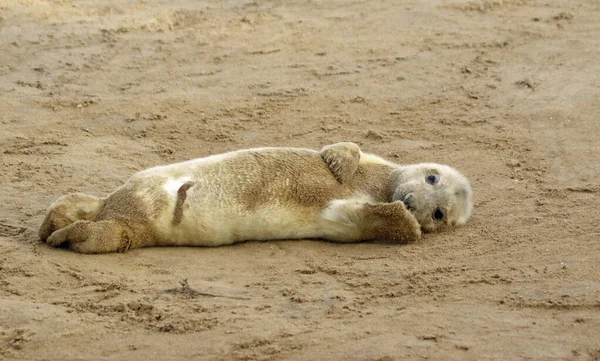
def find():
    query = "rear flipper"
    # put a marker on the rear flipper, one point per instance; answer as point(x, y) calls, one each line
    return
point(95, 237)
point(68, 209)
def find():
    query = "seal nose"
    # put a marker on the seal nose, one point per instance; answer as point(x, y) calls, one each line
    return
point(408, 200)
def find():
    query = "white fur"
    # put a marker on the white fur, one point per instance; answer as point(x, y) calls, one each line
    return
point(173, 184)
point(367, 158)
point(341, 220)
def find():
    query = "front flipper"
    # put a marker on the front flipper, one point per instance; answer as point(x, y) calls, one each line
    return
point(342, 160)
point(355, 220)
point(390, 222)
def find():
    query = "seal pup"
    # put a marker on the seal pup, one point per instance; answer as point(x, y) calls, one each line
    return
point(339, 194)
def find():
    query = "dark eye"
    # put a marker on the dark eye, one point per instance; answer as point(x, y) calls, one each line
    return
point(438, 215)
point(432, 178)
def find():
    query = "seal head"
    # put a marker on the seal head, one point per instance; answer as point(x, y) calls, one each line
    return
point(437, 195)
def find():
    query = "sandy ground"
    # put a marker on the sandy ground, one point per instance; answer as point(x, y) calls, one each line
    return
point(508, 91)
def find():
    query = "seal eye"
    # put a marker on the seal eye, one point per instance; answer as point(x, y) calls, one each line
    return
point(438, 215)
point(432, 179)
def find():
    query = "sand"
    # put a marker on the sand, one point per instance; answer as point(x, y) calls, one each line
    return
point(507, 91)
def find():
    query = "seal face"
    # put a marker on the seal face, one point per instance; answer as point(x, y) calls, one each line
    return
point(437, 195)
point(339, 194)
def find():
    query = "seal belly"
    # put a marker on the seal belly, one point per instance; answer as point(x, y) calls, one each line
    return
point(219, 227)
point(277, 222)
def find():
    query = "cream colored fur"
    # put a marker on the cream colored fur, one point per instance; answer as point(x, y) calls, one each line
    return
point(339, 194)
